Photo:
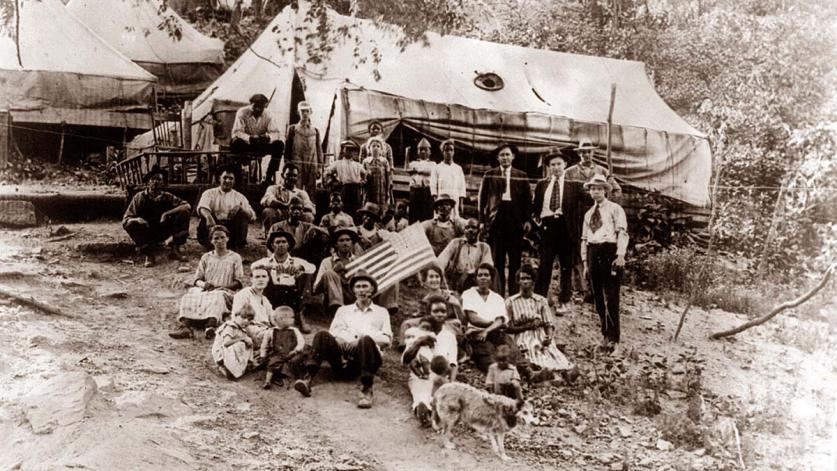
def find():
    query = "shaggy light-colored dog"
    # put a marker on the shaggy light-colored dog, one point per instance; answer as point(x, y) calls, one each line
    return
point(489, 414)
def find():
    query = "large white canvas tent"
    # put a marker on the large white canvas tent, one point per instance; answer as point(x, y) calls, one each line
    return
point(65, 73)
point(142, 31)
point(547, 99)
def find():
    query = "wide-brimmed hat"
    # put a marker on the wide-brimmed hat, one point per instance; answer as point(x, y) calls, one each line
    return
point(556, 153)
point(371, 209)
point(351, 231)
point(363, 275)
point(280, 233)
point(585, 144)
point(597, 180)
point(444, 198)
point(155, 170)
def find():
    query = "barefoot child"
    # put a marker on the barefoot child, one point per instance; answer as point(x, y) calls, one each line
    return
point(502, 377)
point(232, 349)
point(285, 355)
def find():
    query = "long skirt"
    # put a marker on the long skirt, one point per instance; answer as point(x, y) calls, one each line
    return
point(551, 358)
point(234, 359)
point(199, 305)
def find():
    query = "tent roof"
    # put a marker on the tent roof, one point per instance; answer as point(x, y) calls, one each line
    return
point(443, 70)
point(132, 27)
point(65, 72)
point(53, 40)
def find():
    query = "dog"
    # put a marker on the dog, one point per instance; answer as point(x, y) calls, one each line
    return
point(489, 414)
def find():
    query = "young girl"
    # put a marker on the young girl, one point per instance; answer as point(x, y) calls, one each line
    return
point(219, 273)
point(379, 178)
point(232, 349)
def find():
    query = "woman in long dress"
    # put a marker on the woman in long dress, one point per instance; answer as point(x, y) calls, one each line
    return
point(530, 323)
point(219, 274)
point(379, 176)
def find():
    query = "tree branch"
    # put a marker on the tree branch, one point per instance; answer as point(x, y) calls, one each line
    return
point(777, 309)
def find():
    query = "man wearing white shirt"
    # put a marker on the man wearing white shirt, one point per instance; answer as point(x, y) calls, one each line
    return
point(357, 334)
point(551, 197)
point(448, 178)
point(290, 277)
point(254, 133)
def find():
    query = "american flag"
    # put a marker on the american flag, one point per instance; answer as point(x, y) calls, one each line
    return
point(400, 255)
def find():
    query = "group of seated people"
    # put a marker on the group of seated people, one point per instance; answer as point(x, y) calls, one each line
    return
point(260, 324)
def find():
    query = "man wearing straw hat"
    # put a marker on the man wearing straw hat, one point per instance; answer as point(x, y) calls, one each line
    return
point(604, 241)
point(355, 338)
point(575, 177)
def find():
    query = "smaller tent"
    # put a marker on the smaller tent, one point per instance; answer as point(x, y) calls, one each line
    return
point(64, 72)
point(142, 30)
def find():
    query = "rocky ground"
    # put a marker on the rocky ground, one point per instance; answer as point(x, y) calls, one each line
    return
point(104, 387)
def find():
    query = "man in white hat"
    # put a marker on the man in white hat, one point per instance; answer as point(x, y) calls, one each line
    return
point(575, 177)
point(355, 338)
point(303, 147)
point(447, 177)
point(604, 241)
point(421, 200)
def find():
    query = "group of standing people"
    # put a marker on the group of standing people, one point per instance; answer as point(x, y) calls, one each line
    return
point(478, 301)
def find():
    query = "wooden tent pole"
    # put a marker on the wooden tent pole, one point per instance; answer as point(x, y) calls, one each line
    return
point(610, 129)
point(61, 145)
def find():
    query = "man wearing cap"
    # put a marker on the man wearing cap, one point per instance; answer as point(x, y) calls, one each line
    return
point(330, 278)
point(155, 215)
point(604, 241)
point(350, 176)
point(444, 227)
point(253, 133)
point(357, 334)
point(460, 259)
point(447, 177)
point(277, 198)
point(304, 149)
point(225, 206)
point(554, 202)
point(575, 177)
point(290, 277)
point(311, 240)
point(421, 200)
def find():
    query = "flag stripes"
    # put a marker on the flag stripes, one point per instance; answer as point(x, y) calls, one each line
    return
point(397, 257)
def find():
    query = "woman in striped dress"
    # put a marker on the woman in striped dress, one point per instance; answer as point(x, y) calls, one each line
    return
point(379, 176)
point(220, 272)
point(530, 323)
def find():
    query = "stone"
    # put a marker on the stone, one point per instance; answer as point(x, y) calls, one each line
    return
point(17, 213)
point(250, 435)
point(664, 445)
point(625, 431)
point(60, 401)
point(579, 429)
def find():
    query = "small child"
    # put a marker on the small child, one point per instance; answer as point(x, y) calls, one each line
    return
point(232, 349)
point(336, 218)
point(425, 353)
point(502, 377)
point(284, 353)
point(399, 219)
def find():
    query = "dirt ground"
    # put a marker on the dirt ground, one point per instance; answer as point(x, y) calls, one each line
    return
point(104, 387)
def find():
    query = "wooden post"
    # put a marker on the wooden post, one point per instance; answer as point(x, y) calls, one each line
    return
point(5, 136)
point(186, 125)
point(61, 146)
point(610, 130)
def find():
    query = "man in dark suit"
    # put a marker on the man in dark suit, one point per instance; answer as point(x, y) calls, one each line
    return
point(554, 200)
point(505, 202)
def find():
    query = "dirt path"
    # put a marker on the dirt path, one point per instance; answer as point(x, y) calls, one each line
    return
point(157, 402)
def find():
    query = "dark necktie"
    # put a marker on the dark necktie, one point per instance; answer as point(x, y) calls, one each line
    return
point(555, 199)
point(595, 219)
